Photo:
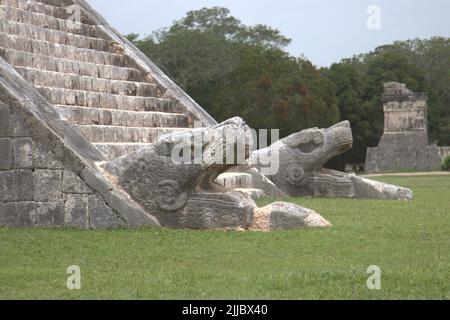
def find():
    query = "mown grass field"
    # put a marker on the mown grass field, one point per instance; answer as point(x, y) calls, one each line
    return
point(409, 241)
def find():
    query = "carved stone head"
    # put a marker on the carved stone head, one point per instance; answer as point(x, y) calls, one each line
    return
point(301, 155)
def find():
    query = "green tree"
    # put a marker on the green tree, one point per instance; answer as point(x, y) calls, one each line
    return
point(236, 70)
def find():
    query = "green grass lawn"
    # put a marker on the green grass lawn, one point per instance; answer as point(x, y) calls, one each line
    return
point(409, 241)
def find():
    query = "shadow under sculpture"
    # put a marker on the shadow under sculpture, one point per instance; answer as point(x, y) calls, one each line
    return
point(184, 194)
point(301, 158)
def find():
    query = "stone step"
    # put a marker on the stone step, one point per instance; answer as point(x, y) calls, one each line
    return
point(233, 180)
point(50, 22)
point(75, 82)
point(115, 150)
point(106, 101)
point(29, 31)
point(103, 134)
point(59, 10)
point(253, 193)
point(111, 117)
point(9, 41)
point(49, 63)
point(56, 3)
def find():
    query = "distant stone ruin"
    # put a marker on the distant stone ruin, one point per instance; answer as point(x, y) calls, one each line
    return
point(404, 144)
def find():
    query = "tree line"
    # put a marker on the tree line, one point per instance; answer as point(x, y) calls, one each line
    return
point(232, 69)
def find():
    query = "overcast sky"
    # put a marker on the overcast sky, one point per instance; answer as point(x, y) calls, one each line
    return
point(325, 31)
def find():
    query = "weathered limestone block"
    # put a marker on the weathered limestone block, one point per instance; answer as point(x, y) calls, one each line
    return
point(4, 121)
point(282, 215)
point(235, 180)
point(76, 211)
point(101, 216)
point(23, 153)
point(6, 153)
point(43, 157)
point(174, 180)
point(48, 185)
point(16, 185)
point(75, 82)
point(49, 214)
point(18, 126)
point(300, 173)
point(18, 214)
point(72, 183)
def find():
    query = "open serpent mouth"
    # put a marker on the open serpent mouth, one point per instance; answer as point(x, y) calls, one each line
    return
point(343, 147)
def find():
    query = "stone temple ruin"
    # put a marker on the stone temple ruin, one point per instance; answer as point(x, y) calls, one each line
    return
point(88, 124)
point(404, 144)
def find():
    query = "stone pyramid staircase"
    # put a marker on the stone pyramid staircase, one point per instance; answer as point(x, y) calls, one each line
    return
point(90, 76)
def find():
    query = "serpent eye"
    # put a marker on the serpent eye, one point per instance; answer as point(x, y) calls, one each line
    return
point(306, 141)
point(308, 147)
point(311, 143)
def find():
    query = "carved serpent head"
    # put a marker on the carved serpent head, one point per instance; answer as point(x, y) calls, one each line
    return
point(301, 154)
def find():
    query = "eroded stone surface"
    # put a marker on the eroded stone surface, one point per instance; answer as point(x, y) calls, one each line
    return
point(101, 215)
point(49, 214)
point(16, 185)
point(76, 211)
point(283, 215)
point(6, 154)
point(23, 153)
point(18, 214)
point(72, 183)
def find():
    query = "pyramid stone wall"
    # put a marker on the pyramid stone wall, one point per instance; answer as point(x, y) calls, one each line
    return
point(38, 190)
